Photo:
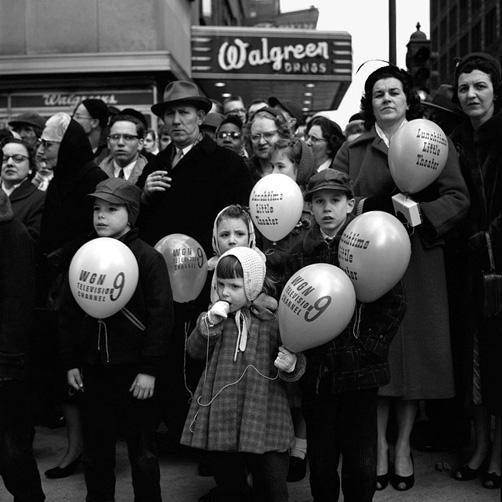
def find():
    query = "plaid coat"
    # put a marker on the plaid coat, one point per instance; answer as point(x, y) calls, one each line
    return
point(247, 412)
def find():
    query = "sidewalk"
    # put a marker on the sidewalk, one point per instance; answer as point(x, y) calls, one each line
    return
point(180, 482)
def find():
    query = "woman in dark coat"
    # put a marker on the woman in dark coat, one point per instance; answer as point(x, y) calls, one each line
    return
point(478, 80)
point(420, 354)
point(66, 223)
point(18, 166)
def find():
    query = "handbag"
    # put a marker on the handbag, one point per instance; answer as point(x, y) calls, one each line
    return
point(491, 297)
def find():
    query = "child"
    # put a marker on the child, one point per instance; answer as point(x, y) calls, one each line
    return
point(342, 376)
point(115, 360)
point(240, 412)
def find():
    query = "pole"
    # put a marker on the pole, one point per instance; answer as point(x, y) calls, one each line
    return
point(392, 32)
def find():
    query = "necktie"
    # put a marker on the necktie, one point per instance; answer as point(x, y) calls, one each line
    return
point(121, 173)
point(177, 157)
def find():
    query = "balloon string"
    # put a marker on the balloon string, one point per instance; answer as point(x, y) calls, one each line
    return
point(357, 323)
point(226, 386)
point(101, 323)
point(185, 381)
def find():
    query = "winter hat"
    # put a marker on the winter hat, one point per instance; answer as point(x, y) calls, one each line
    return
point(97, 110)
point(55, 127)
point(253, 268)
point(120, 191)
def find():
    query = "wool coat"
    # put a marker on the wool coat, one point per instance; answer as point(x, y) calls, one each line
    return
point(357, 358)
point(17, 293)
point(480, 155)
point(420, 355)
point(235, 408)
point(138, 334)
point(67, 216)
point(28, 204)
point(207, 179)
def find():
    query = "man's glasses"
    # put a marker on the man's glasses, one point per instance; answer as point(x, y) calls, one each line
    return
point(47, 144)
point(16, 158)
point(128, 138)
point(267, 136)
point(231, 134)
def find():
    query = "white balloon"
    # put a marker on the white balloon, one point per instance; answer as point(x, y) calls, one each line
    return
point(103, 276)
point(276, 205)
point(418, 152)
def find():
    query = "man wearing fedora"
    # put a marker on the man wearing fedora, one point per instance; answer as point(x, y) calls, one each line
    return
point(184, 188)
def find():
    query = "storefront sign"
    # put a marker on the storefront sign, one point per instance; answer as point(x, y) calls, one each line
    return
point(261, 53)
point(56, 99)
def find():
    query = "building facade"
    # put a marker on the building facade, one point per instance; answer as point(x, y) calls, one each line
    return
point(459, 27)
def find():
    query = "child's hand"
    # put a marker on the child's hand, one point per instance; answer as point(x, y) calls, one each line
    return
point(285, 360)
point(218, 312)
point(143, 386)
point(74, 378)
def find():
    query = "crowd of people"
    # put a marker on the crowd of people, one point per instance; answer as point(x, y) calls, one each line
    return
point(214, 370)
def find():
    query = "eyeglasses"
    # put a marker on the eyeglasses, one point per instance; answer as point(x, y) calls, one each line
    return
point(230, 134)
point(314, 139)
point(235, 111)
point(16, 158)
point(267, 136)
point(78, 116)
point(128, 138)
point(47, 144)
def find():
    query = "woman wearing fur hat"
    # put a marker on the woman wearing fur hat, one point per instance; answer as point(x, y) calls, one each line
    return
point(477, 88)
point(420, 355)
point(240, 411)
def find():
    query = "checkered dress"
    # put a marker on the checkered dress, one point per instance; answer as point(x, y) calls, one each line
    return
point(253, 414)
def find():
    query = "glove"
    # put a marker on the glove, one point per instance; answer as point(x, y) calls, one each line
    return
point(218, 312)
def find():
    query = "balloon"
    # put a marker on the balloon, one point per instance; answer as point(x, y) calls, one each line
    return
point(417, 154)
point(276, 205)
point(103, 276)
point(374, 252)
point(316, 305)
point(187, 265)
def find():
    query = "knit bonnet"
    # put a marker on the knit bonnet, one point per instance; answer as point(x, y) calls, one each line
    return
point(55, 127)
point(253, 268)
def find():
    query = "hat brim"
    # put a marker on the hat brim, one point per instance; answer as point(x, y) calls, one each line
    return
point(16, 123)
point(327, 186)
point(200, 102)
point(109, 197)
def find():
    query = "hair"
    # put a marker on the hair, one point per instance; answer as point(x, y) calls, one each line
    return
point(232, 119)
point(229, 267)
point(235, 211)
point(153, 132)
point(280, 122)
point(140, 127)
point(391, 71)
point(31, 152)
point(228, 99)
point(331, 132)
point(164, 129)
point(482, 63)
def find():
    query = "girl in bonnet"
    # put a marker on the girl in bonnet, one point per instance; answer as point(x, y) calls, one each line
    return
point(240, 412)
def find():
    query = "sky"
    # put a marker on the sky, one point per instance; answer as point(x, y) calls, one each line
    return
point(367, 22)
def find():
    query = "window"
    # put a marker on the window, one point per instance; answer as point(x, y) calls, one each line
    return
point(464, 45)
point(476, 38)
point(442, 32)
point(463, 10)
point(453, 22)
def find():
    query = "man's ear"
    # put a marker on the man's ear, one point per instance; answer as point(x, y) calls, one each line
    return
point(201, 115)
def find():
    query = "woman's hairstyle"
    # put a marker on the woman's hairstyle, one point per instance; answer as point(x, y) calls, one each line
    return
point(229, 267)
point(281, 124)
point(301, 155)
point(485, 63)
point(31, 153)
point(331, 132)
point(153, 132)
point(391, 71)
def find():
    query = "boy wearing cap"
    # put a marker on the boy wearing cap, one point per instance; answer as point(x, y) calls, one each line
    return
point(114, 361)
point(342, 376)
